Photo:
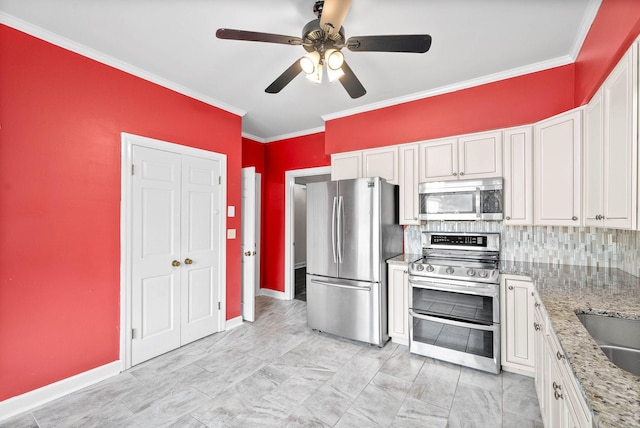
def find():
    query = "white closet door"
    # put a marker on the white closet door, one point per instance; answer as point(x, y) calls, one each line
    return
point(200, 253)
point(156, 195)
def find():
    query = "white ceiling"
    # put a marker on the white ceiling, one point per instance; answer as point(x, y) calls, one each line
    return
point(172, 42)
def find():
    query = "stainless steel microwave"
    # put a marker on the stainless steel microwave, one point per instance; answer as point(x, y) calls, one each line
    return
point(461, 200)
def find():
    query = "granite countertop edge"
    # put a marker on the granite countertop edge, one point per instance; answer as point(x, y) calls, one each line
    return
point(612, 394)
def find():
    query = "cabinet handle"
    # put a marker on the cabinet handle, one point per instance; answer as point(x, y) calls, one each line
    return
point(510, 287)
point(507, 218)
point(536, 326)
point(574, 218)
point(559, 355)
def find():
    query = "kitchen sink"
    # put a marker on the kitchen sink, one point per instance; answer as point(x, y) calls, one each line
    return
point(619, 339)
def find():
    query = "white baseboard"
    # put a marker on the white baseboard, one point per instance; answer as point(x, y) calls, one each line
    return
point(233, 323)
point(32, 399)
point(280, 295)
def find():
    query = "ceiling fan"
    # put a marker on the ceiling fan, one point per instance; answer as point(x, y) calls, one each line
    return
point(323, 39)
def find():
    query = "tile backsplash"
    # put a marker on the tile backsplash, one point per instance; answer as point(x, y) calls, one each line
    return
point(583, 246)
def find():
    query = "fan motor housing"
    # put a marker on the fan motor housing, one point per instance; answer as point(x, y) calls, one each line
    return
point(314, 38)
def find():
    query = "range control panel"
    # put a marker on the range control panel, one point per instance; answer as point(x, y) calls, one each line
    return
point(466, 240)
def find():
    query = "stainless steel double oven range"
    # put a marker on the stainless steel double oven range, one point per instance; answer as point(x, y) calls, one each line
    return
point(454, 299)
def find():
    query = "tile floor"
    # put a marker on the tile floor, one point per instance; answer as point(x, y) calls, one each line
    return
point(277, 372)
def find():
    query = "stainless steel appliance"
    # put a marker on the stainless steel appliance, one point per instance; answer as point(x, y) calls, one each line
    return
point(352, 228)
point(461, 200)
point(454, 299)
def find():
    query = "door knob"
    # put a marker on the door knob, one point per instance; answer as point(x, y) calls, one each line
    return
point(253, 253)
point(247, 253)
point(188, 261)
point(175, 263)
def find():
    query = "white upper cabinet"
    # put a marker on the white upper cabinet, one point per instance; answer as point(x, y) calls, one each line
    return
point(611, 149)
point(470, 156)
point(346, 165)
point(518, 176)
point(556, 160)
point(480, 155)
point(382, 162)
point(408, 156)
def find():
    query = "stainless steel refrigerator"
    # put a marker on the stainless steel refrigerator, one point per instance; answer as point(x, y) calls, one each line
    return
point(352, 229)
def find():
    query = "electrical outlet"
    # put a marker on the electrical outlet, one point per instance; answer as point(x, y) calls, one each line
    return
point(552, 243)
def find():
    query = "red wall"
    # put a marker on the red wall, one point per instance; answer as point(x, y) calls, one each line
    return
point(61, 116)
point(614, 29)
point(517, 101)
point(279, 157)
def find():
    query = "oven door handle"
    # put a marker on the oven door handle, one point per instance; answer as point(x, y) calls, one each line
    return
point(452, 322)
point(480, 289)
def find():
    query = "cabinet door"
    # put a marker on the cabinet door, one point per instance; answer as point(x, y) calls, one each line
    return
point(381, 162)
point(593, 161)
point(439, 160)
point(346, 165)
point(398, 304)
point(408, 155)
point(620, 144)
point(556, 157)
point(480, 155)
point(518, 176)
point(518, 330)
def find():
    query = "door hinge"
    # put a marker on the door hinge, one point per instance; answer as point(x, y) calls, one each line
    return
point(219, 179)
point(133, 333)
point(218, 305)
point(133, 167)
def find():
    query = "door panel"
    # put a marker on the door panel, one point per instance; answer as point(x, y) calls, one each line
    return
point(156, 244)
point(322, 203)
point(359, 231)
point(249, 244)
point(201, 217)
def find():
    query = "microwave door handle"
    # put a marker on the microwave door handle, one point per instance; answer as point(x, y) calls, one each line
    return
point(333, 229)
point(478, 192)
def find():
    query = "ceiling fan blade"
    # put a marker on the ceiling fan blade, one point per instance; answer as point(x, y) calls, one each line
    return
point(333, 14)
point(351, 83)
point(416, 43)
point(253, 36)
point(284, 79)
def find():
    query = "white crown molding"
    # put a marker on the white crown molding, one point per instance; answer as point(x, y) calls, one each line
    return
point(88, 52)
point(253, 137)
point(585, 26)
point(491, 78)
point(294, 134)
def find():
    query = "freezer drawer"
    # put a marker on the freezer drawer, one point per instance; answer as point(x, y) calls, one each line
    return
point(352, 309)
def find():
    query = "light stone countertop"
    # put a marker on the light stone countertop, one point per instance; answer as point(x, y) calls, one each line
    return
point(612, 394)
point(403, 259)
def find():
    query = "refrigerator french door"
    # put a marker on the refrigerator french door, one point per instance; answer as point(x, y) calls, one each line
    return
point(352, 228)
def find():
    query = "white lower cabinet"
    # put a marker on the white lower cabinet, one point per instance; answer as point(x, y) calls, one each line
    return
point(561, 403)
point(398, 312)
point(516, 323)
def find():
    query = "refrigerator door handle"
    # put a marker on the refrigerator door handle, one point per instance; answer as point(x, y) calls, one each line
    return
point(340, 229)
point(333, 229)
point(349, 287)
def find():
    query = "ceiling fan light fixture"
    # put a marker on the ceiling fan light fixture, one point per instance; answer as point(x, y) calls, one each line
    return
point(316, 76)
point(333, 75)
point(310, 62)
point(334, 59)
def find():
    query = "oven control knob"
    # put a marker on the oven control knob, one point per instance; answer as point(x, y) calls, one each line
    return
point(430, 268)
point(449, 270)
point(419, 267)
point(483, 274)
point(471, 272)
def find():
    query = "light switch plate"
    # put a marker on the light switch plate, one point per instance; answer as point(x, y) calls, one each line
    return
point(231, 234)
point(231, 211)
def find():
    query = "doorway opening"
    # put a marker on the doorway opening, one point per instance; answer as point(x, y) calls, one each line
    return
point(295, 228)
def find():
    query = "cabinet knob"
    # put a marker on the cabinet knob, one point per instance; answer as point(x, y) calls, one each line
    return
point(574, 218)
point(188, 261)
point(557, 395)
point(536, 326)
point(461, 173)
point(510, 287)
point(507, 218)
point(536, 304)
point(175, 263)
point(559, 355)
point(455, 174)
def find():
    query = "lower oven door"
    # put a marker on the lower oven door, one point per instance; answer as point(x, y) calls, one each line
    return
point(452, 323)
